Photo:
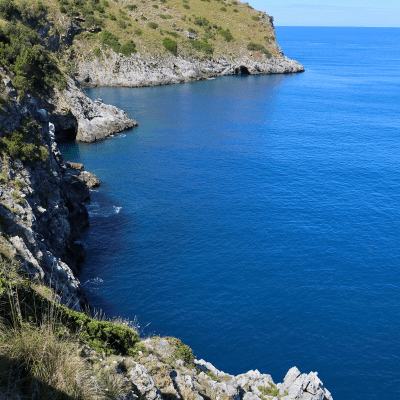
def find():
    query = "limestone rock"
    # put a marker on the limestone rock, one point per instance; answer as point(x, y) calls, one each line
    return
point(144, 383)
point(42, 210)
point(135, 71)
point(304, 387)
point(78, 117)
point(89, 178)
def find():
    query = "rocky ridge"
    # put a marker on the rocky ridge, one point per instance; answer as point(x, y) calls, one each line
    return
point(136, 71)
point(164, 368)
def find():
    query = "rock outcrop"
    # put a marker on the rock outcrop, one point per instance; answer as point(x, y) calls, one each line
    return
point(77, 117)
point(163, 369)
point(137, 71)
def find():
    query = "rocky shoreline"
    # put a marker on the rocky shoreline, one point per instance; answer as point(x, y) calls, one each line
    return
point(136, 71)
point(164, 368)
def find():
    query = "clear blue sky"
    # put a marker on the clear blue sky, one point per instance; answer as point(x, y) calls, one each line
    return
point(384, 13)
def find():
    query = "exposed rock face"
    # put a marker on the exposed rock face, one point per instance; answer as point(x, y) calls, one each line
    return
point(42, 214)
point(90, 179)
point(75, 116)
point(157, 373)
point(136, 71)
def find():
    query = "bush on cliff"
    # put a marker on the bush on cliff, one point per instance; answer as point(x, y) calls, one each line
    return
point(128, 48)
point(226, 34)
point(25, 143)
point(203, 46)
point(110, 40)
point(21, 51)
point(170, 45)
point(259, 47)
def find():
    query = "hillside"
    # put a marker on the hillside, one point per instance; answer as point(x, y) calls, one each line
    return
point(126, 43)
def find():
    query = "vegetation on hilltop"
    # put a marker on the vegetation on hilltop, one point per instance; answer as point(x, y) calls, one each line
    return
point(40, 41)
point(216, 27)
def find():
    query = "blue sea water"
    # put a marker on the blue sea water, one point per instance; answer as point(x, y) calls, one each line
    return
point(257, 218)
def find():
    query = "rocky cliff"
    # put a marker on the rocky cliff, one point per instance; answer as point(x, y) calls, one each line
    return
point(164, 368)
point(76, 117)
point(136, 71)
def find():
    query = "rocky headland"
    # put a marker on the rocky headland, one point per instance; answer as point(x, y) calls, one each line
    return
point(136, 71)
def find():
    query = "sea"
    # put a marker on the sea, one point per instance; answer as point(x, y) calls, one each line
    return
point(257, 218)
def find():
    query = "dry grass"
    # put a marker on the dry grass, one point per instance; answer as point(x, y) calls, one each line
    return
point(241, 24)
point(37, 364)
point(43, 360)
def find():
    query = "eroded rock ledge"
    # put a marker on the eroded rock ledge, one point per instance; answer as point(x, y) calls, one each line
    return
point(137, 71)
point(77, 117)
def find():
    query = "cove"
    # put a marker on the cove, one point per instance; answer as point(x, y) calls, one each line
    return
point(257, 217)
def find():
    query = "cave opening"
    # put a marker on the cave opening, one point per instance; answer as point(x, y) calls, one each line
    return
point(243, 70)
point(67, 135)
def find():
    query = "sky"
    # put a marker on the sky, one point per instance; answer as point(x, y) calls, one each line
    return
point(371, 13)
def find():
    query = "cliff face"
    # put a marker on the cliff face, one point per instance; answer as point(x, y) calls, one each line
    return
point(136, 71)
point(42, 214)
point(76, 117)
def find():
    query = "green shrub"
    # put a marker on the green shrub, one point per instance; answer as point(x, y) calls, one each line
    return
point(155, 6)
point(20, 184)
point(152, 25)
point(97, 52)
point(174, 34)
point(235, 10)
point(165, 16)
point(138, 32)
point(187, 7)
point(223, 9)
point(170, 45)
point(92, 21)
point(131, 7)
point(182, 351)
point(255, 18)
point(203, 46)
point(110, 40)
point(112, 17)
point(25, 143)
point(3, 179)
point(34, 68)
point(226, 34)
point(122, 24)
point(259, 47)
point(128, 48)
point(269, 390)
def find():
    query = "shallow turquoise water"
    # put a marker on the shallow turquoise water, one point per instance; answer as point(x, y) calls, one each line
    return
point(257, 217)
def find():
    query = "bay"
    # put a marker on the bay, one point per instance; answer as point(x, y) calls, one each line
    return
point(257, 218)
